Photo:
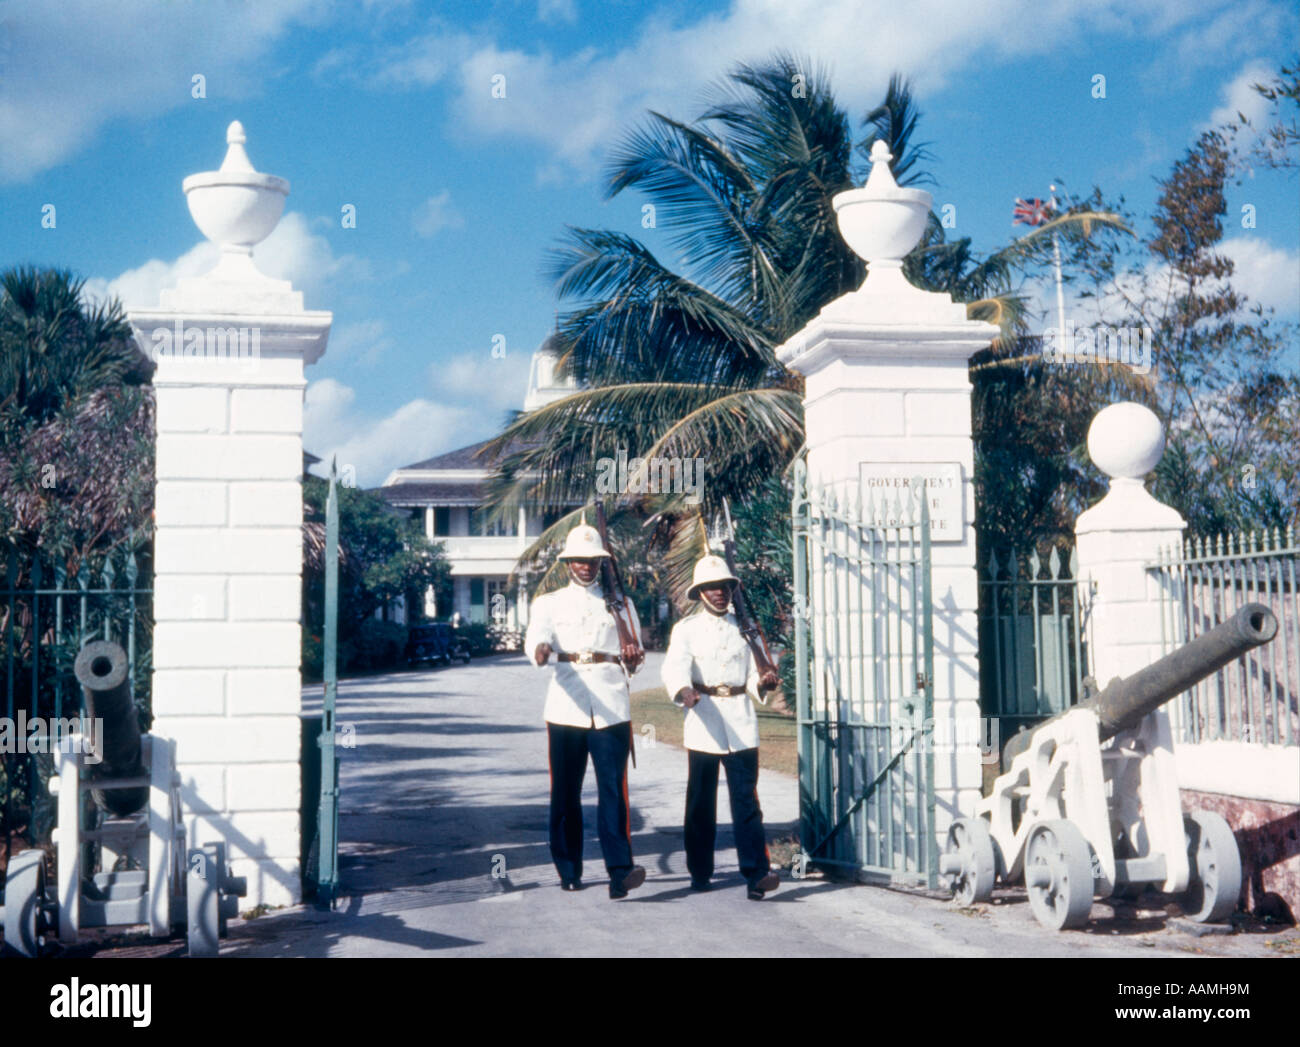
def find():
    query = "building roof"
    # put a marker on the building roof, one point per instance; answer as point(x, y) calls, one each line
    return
point(420, 494)
point(461, 458)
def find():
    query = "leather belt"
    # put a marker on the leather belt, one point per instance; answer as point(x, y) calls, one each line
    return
point(587, 657)
point(723, 690)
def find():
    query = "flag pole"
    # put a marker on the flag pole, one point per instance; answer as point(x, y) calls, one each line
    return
point(1056, 261)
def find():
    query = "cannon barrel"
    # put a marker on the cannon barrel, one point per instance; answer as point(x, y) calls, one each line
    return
point(1125, 701)
point(102, 671)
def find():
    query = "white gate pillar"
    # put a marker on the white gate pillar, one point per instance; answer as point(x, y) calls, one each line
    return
point(230, 348)
point(1117, 537)
point(887, 387)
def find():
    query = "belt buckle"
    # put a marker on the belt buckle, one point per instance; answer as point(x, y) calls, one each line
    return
point(723, 690)
point(585, 658)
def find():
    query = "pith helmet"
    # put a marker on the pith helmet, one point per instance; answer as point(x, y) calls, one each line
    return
point(709, 569)
point(583, 543)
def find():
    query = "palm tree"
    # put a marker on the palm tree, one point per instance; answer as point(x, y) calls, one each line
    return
point(56, 348)
point(679, 362)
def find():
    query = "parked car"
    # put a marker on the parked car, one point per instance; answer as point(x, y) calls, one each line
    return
point(435, 642)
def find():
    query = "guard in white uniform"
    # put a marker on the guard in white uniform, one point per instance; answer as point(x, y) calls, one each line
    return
point(711, 672)
point(588, 712)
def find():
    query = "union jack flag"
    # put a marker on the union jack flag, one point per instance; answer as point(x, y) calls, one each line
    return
point(1031, 212)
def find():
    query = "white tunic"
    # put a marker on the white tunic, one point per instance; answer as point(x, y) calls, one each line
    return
point(708, 649)
point(572, 620)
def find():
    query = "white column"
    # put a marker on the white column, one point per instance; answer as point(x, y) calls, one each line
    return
point(230, 349)
point(886, 385)
point(1117, 537)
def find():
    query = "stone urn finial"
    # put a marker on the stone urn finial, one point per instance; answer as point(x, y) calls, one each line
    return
point(236, 207)
point(881, 221)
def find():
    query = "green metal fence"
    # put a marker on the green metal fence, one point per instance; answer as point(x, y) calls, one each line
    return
point(864, 683)
point(46, 617)
point(1255, 699)
point(1032, 637)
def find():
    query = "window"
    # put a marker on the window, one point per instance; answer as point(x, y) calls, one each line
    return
point(503, 529)
point(441, 521)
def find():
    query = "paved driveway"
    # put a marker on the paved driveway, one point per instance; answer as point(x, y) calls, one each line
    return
point(448, 785)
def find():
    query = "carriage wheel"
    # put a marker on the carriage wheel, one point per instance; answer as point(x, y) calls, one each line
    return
point(970, 860)
point(1215, 881)
point(25, 903)
point(1058, 874)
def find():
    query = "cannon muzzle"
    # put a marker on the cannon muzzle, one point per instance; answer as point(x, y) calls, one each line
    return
point(1126, 701)
point(101, 669)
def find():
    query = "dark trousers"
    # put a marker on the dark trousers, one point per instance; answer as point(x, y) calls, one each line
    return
point(569, 748)
point(746, 815)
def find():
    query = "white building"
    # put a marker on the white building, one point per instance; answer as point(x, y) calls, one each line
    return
point(447, 491)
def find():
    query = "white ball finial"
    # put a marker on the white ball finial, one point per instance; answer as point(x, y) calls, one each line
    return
point(235, 133)
point(1125, 441)
point(880, 153)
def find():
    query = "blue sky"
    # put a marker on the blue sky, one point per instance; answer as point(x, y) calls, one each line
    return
point(388, 107)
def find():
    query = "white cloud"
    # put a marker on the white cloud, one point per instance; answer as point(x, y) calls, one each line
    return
point(437, 213)
point(493, 384)
point(1268, 275)
point(557, 11)
point(372, 446)
point(292, 252)
point(576, 105)
point(1239, 97)
point(367, 340)
point(72, 67)
point(471, 392)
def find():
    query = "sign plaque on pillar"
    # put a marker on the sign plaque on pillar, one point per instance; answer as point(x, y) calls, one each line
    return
point(883, 483)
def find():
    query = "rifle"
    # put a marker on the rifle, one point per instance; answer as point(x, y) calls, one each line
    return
point(749, 627)
point(611, 582)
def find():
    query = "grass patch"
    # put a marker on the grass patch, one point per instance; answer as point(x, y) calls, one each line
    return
point(777, 737)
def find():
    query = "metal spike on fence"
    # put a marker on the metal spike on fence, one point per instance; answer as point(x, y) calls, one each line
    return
point(1290, 536)
point(1252, 541)
point(60, 576)
point(1277, 539)
point(1074, 563)
point(1035, 564)
point(993, 564)
point(1054, 564)
point(898, 509)
point(1218, 544)
point(83, 575)
point(1013, 568)
point(132, 569)
point(857, 505)
point(109, 574)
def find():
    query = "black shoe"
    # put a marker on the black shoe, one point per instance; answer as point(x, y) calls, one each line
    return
point(701, 885)
point(759, 888)
point(570, 885)
point(631, 880)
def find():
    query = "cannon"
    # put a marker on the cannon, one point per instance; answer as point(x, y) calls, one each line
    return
point(148, 876)
point(1087, 803)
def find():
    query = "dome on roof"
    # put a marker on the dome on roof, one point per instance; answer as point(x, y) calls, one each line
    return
point(544, 386)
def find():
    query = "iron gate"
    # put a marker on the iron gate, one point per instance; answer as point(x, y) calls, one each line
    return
point(865, 681)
